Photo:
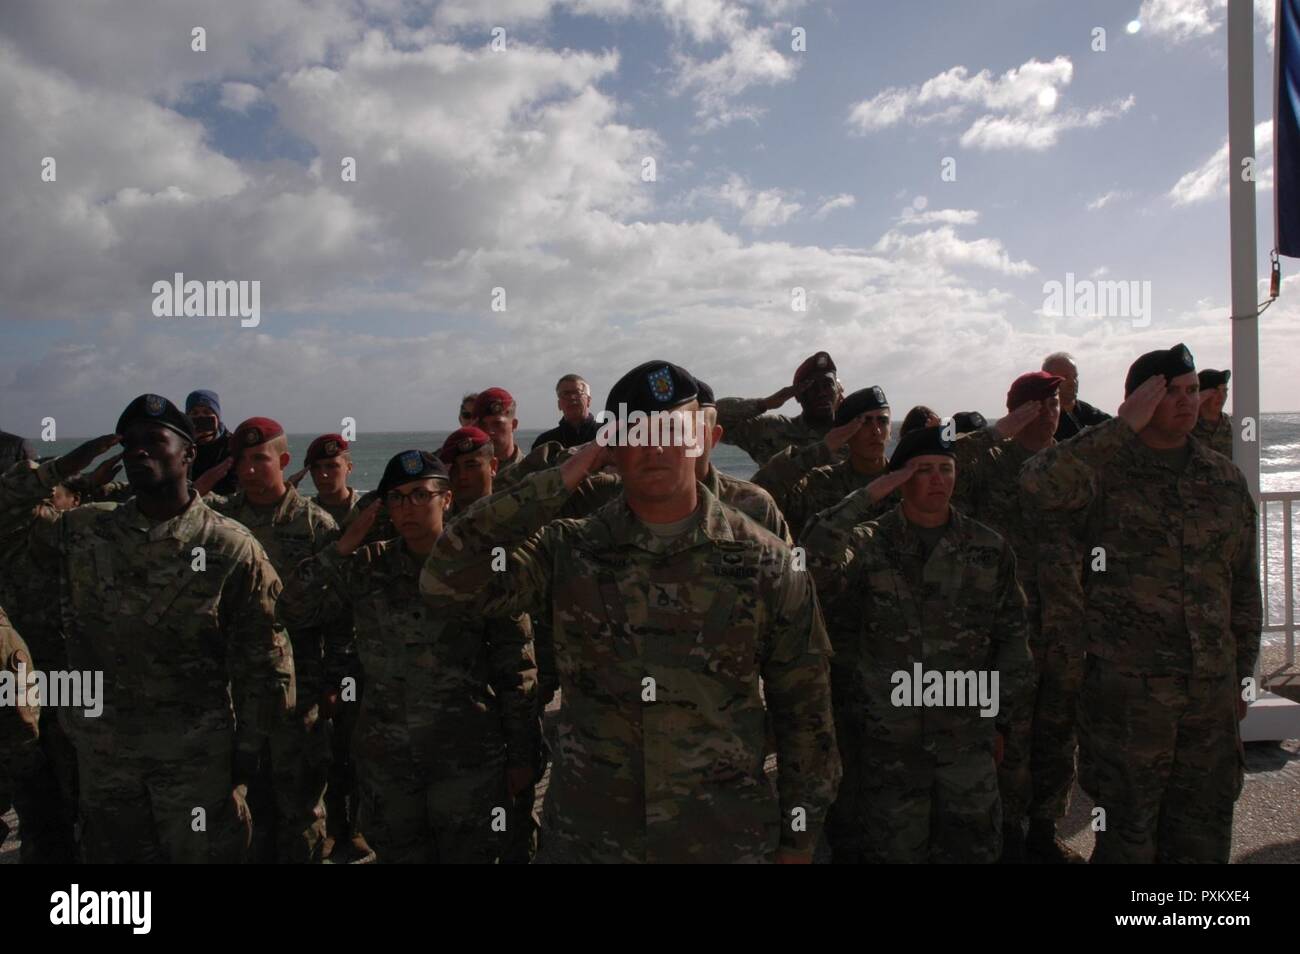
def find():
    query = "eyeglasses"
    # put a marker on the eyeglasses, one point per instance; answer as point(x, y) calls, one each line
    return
point(417, 498)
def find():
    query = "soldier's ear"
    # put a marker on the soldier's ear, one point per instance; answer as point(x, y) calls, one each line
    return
point(284, 460)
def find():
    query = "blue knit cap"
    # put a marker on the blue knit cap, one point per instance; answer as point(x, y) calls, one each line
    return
point(209, 398)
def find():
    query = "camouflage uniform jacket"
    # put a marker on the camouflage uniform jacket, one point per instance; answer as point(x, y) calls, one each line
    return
point(177, 645)
point(443, 692)
point(660, 646)
point(890, 608)
point(1217, 436)
point(290, 531)
point(19, 724)
point(762, 435)
point(1180, 589)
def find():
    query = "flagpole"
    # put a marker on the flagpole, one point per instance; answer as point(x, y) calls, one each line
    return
point(1241, 205)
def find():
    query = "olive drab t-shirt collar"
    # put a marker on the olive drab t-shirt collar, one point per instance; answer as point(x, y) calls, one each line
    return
point(626, 529)
point(183, 526)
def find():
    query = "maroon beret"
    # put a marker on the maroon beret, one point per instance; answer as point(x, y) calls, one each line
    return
point(814, 365)
point(462, 441)
point(1034, 386)
point(327, 445)
point(254, 431)
point(492, 402)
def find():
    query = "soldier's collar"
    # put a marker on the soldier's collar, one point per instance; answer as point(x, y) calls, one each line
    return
point(712, 526)
point(181, 527)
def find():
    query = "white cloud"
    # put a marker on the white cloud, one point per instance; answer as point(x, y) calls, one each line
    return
point(942, 247)
point(1018, 108)
point(760, 209)
point(750, 57)
point(842, 201)
point(238, 97)
point(1209, 180)
point(1106, 198)
point(1179, 21)
point(911, 216)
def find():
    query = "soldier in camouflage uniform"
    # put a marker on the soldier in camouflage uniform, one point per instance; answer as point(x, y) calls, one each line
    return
point(923, 586)
point(19, 729)
point(988, 489)
point(449, 726)
point(291, 528)
point(1172, 621)
point(667, 607)
point(329, 463)
point(1213, 426)
point(494, 414)
point(806, 480)
point(762, 435)
point(175, 605)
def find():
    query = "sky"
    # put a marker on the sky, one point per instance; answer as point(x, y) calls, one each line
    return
point(554, 186)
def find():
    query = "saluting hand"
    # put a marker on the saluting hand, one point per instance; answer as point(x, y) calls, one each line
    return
point(296, 477)
point(210, 478)
point(773, 401)
point(79, 458)
point(1140, 406)
point(837, 437)
point(588, 459)
point(891, 480)
point(358, 528)
point(1013, 422)
point(105, 471)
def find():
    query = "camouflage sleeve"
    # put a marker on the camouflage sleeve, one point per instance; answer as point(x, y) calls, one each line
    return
point(743, 425)
point(796, 682)
point(543, 457)
point(1247, 612)
point(831, 538)
point(218, 502)
point(974, 452)
point(318, 589)
point(22, 488)
point(514, 678)
point(338, 633)
point(1065, 476)
point(1011, 659)
point(592, 494)
point(495, 557)
point(19, 728)
point(733, 412)
point(258, 654)
point(116, 491)
point(784, 473)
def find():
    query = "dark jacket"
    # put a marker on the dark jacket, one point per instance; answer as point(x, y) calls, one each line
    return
point(1083, 415)
point(568, 435)
point(209, 456)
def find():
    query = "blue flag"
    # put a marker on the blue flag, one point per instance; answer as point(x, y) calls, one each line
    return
point(1286, 131)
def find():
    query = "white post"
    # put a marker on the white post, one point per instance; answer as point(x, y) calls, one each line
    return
point(1241, 202)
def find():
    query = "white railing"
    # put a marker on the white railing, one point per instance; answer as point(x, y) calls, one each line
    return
point(1277, 570)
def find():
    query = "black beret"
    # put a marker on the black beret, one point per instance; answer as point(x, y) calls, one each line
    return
point(1209, 378)
point(705, 394)
point(1171, 363)
point(919, 443)
point(859, 402)
point(653, 386)
point(967, 421)
point(411, 465)
point(156, 408)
